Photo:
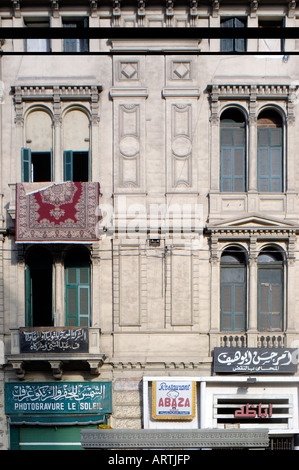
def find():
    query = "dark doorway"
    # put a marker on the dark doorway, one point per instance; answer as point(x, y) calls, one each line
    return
point(39, 309)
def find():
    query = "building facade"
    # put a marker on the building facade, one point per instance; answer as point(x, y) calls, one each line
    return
point(149, 221)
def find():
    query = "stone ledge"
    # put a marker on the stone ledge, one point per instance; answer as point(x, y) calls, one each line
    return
point(187, 439)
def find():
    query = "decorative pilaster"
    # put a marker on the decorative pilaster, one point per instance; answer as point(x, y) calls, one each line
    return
point(55, 8)
point(116, 13)
point(215, 284)
point(141, 12)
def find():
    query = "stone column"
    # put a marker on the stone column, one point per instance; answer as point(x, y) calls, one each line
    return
point(252, 294)
point(215, 287)
point(252, 142)
point(57, 126)
point(214, 142)
point(58, 294)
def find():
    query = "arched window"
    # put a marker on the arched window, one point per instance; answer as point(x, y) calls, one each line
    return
point(38, 289)
point(37, 152)
point(233, 289)
point(232, 151)
point(77, 287)
point(270, 152)
point(76, 146)
point(270, 290)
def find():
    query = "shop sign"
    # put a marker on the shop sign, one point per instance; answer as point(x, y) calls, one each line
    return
point(255, 360)
point(47, 397)
point(172, 399)
point(254, 411)
point(53, 340)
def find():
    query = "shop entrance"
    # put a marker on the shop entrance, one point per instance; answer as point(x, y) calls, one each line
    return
point(46, 437)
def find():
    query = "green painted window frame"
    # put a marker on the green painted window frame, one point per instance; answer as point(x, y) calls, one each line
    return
point(269, 151)
point(232, 158)
point(233, 44)
point(26, 162)
point(78, 288)
point(270, 279)
point(68, 165)
point(233, 293)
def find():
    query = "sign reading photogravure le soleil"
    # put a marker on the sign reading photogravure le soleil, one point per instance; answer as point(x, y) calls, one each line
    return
point(173, 399)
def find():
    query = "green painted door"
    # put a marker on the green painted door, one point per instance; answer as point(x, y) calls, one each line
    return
point(47, 437)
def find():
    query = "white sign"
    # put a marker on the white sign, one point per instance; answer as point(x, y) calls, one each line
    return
point(173, 399)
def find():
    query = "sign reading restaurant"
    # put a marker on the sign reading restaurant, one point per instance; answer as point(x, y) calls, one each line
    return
point(47, 397)
point(173, 399)
point(255, 360)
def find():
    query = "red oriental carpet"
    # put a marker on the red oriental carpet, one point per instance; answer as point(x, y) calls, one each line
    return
point(57, 212)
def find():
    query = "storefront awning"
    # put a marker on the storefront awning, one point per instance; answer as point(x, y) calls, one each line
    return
point(57, 420)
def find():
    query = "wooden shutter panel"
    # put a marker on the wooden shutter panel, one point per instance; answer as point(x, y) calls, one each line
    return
point(26, 165)
point(232, 160)
point(226, 44)
point(239, 42)
point(68, 165)
point(233, 294)
point(270, 170)
point(78, 296)
point(270, 298)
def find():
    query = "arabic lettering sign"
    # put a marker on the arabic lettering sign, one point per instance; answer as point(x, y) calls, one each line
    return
point(250, 411)
point(47, 397)
point(259, 360)
point(51, 340)
point(173, 399)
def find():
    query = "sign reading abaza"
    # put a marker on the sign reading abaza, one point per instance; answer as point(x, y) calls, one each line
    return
point(173, 399)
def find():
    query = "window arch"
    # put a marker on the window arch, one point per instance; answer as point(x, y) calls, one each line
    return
point(77, 287)
point(270, 151)
point(232, 151)
point(76, 144)
point(233, 289)
point(38, 288)
point(37, 151)
point(270, 290)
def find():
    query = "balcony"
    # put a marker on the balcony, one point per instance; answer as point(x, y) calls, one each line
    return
point(55, 348)
point(54, 212)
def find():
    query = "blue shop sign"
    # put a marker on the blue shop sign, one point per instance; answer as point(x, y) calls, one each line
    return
point(48, 397)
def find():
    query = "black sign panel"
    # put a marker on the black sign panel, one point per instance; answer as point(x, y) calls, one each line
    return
point(255, 360)
point(53, 340)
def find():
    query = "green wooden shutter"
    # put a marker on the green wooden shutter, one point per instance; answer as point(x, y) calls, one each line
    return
point(78, 296)
point(270, 169)
point(233, 298)
point(227, 45)
point(26, 165)
point(270, 298)
point(232, 172)
point(70, 44)
point(68, 165)
point(236, 44)
point(28, 297)
point(240, 43)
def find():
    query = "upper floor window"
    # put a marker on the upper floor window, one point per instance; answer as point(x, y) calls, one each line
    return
point(270, 291)
point(232, 151)
point(77, 287)
point(75, 45)
point(37, 155)
point(270, 154)
point(76, 146)
point(235, 44)
point(271, 44)
point(37, 45)
point(38, 288)
point(233, 289)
